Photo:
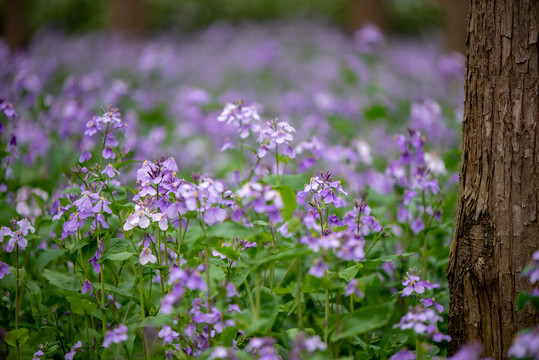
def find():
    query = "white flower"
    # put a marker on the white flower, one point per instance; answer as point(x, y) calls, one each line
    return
point(161, 221)
point(138, 218)
point(146, 257)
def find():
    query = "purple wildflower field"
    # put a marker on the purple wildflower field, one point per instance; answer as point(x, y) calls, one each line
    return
point(278, 191)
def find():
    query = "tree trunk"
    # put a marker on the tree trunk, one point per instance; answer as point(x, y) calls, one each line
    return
point(496, 227)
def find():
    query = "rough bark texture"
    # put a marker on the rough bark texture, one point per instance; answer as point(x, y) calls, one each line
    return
point(496, 228)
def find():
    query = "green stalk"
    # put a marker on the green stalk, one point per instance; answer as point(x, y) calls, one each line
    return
point(425, 259)
point(208, 276)
point(299, 297)
point(277, 162)
point(17, 298)
point(160, 262)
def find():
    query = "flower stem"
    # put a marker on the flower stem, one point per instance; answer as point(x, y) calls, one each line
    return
point(326, 313)
point(17, 298)
point(299, 300)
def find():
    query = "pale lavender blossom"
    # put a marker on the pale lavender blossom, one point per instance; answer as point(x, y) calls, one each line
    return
point(403, 354)
point(147, 257)
point(74, 349)
point(110, 171)
point(4, 269)
point(412, 284)
point(168, 335)
point(116, 336)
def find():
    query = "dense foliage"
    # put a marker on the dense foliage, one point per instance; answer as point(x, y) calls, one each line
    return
point(248, 193)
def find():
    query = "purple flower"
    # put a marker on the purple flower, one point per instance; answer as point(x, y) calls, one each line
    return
point(110, 171)
point(94, 260)
point(353, 288)
point(146, 257)
point(263, 347)
point(319, 269)
point(403, 354)
point(168, 335)
point(525, 345)
point(115, 336)
point(430, 302)
point(17, 237)
point(533, 272)
point(4, 269)
point(417, 225)
point(7, 109)
point(468, 352)
point(412, 284)
point(86, 287)
point(69, 355)
point(102, 204)
point(85, 156)
point(231, 291)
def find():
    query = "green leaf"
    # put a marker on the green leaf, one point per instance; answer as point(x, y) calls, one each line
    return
point(228, 335)
point(117, 291)
point(269, 308)
point(230, 253)
point(114, 245)
point(349, 273)
point(47, 256)
point(61, 280)
point(121, 256)
point(73, 190)
point(290, 253)
point(17, 337)
point(296, 182)
point(366, 319)
point(125, 163)
point(231, 230)
point(289, 199)
point(81, 306)
point(372, 263)
point(375, 112)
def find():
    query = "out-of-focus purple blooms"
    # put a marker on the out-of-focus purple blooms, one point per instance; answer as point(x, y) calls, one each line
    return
point(7, 109)
point(431, 302)
point(221, 352)
point(86, 287)
point(115, 336)
point(533, 272)
point(353, 288)
point(417, 225)
point(228, 144)
point(403, 354)
point(428, 285)
point(231, 291)
point(468, 352)
point(263, 348)
point(5, 231)
point(168, 335)
point(412, 284)
point(4, 269)
point(319, 269)
point(419, 320)
point(113, 301)
point(38, 354)
point(146, 256)
point(526, 345)
point(74, 349)
point(85, 156)
point(110, 171)
point(303, 345)
point(452, 66)
point(368, 38)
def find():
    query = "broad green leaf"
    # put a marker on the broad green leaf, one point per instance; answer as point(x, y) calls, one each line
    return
point(17, 337)
point(365, 319)
point(230, 253)
point(290, 253)
point(269, 308)
point(372, 263)
point(46, 256)
point(62, 280)
point(113, 289)
point(81, 306)
point(73, 190)
point(231, 230)
point(349, 273)
point(289, 199)
point(121, 256)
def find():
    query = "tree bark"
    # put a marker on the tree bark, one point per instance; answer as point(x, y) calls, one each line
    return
point(496, 225)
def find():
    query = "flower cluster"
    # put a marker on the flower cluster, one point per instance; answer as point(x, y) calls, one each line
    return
point(18, 236)
point(245, 118)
